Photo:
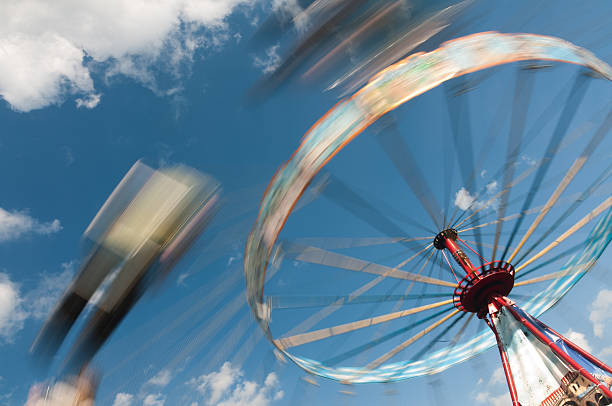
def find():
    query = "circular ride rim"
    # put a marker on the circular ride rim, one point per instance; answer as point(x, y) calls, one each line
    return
point(386, 91)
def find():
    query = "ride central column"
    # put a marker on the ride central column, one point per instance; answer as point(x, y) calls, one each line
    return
point(447, 240)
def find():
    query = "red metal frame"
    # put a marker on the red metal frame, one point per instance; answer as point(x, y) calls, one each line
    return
point(471, 249)
point(459, 256)
point(500, 301)
point(558, 351)
point(505, 364)
point(579, 350)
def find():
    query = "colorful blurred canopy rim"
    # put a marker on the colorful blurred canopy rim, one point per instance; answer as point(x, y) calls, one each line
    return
point(385, 91)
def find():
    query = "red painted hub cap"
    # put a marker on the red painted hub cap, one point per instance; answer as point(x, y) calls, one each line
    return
point(477, 289)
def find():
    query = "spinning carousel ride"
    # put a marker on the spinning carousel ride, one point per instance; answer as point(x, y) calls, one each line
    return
point(403, 280)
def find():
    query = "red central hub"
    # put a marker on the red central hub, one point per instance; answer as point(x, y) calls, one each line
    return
point(480, 286)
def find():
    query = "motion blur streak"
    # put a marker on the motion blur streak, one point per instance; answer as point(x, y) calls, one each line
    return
point(143, 229)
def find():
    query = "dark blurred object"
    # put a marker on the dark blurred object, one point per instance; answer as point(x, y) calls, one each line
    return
point(345, 42)
point(142, 230)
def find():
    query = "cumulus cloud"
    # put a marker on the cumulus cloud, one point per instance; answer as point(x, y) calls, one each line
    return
point(464, 200)
point(40, 300)
point(579, 339)
point(270, 62)
point(16, 307)
point(528, 160)
point(181, 278)
point(498, 376)
point(491, 187)
point(489, 399)
point(606, 354)
point(16, 224)
point(601, 311)
point(227, 387)
point(12, 313)
point(152, 399)
point(162, 378)
point(48, 50)
point(123, 399)
point(89, 102)
point(497, 382)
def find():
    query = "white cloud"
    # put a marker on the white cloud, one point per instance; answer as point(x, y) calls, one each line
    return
point(48, 50)
point(579, 339)
point(237, 256)
point(15, 308)
point(12, 313)
point(601, 310)
point(181, 278)
point(492, 187)
point(228, 388)
point(40, 300)
point(528, 160)
point(606, 354)
point(270, 62)
point(156, 399)
point(217, 384)
point(498, 376)
point(36, 70)
point(463, 199)
point(16, 224)
point(89, 101)
point(162, 378)
point(489, 399)
point(498, 383)
point(292, 9)
point(123, 399)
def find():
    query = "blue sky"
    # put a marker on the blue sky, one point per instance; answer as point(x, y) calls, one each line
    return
point(89, 89)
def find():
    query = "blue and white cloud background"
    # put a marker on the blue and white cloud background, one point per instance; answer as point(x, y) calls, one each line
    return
point(90, 87)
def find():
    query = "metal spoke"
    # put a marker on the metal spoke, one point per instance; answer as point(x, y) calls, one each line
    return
point(299, 302)
point(522, 97)
point(571, 173)
point(349, 242)
point(300, 339)
point(338, 192)
point(399, 153)
point(567, 114)
point(326, 311)
point(464, 327)
point(461, 129)
point(433, 342)
point(535, 130)
point(397, 306)
point(500, 220)
point(543, 278)
point(320, 256)
point(371, 344)
point(499, 194)
point(431, 269)
point(594, 213)
point(382, 359)
point(598, 182)
point(551, 260)
point(572, 198)
point(450, 266)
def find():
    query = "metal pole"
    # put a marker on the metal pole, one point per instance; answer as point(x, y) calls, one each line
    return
point(579, 350)
point(459, 256)
point(505, 364)
point(558, 351)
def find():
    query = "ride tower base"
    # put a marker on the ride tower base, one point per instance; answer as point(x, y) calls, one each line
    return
point(542, 367)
